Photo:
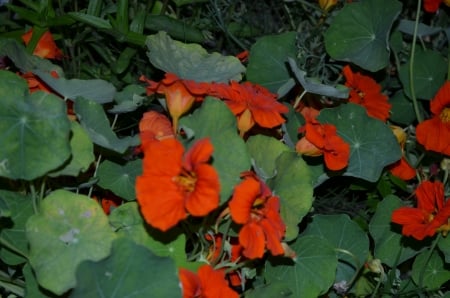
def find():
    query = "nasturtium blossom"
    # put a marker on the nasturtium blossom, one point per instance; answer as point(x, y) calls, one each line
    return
point(154, 126)
point(255, 207)
point(46, 46)
point(433, 5)
point(36, 84)
point(326, 5)
point(180, 94)
point(252, 104)
point(366, 92)
point(401, 169)
point(431, 215)
point(434, 133)
point(207, 283)
point(322, 139)
point(173, 186)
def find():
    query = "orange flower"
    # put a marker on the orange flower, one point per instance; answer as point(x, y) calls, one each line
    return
point(208, 283)
point(401, 169)
point(430, 216)
point(173, 186)
point(46, 46)
point(366, 92)
point(154, 126)
point(322, 139)
point(254, 206)
point(180, 94)
point(433, 5)
point(35, 83)
point(326, 5)
point(434, 133)
point(251, 104)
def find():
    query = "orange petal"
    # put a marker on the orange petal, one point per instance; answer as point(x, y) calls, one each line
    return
point(252, 239)
point(190, 284)
point(214, 283)
point(245, 194)
point(200, 152)
point(205, 197)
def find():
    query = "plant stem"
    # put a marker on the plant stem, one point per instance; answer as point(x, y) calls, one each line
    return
point(411, 64)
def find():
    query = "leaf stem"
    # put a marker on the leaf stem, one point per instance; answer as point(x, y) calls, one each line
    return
point(411, 64)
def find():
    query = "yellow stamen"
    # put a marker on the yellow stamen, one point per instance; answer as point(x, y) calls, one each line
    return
point(445, 115)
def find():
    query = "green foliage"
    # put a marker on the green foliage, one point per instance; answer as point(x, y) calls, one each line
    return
point(120, 179)
point(359, 33)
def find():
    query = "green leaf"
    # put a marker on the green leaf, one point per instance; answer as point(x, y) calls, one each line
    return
point(97, 90)
point(311, 86)
point(313, 272)
point(176, 28)
point(130, 271)
point(230, 157)
point(93, 119)
point(293, 185)
point(430, 69)
point(32, 288)
point(402, 109)
point(291, 126)
point(82, 153)
point(264, 151)
point(129, 99)
point(127, 221)
point(444, 247)
point(407, 26)
point(432, 269)
point(359, 33)
point(26, 62)
point(344, 235)
point(69, 229)
point(120, 179)
point(34, 130)
point(368, 155)
point(277, 289)
point(13, 230)
point(91, 20)
point(191, 61)
point(390, 246)
point(267, 64)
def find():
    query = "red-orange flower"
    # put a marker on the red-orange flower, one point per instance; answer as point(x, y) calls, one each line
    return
point(180, 94)
point(433, 5)
point(322, 139)
point(154, 126)
point(46, 46)
point(173, 186)
point(254, 206)
point(430, 216)
point(251, 104)
point(208, 283)
point(401, 169)
point(366, 91)
point(434, 133)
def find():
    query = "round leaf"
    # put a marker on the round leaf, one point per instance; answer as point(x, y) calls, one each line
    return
point(344, 234)
point(368, 155)
point(432, 269)
point(230, 157)
point(34, 130)
point(130, 271)
point(402, 109)
point(14, 231)
point(264, 151)
point(293, 185)
point(191, 61)
point(429, 72)
point(313, 272)
point(267, 65)
point(69, 229)
point(120, 179)
point(359, 33)
point(82, 153)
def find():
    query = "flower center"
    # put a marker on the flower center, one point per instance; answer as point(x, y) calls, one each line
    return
point(186, 181)
point(445, 115)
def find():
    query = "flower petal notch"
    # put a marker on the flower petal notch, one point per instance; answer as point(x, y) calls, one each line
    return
point(359, 33)
point(191, 61)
